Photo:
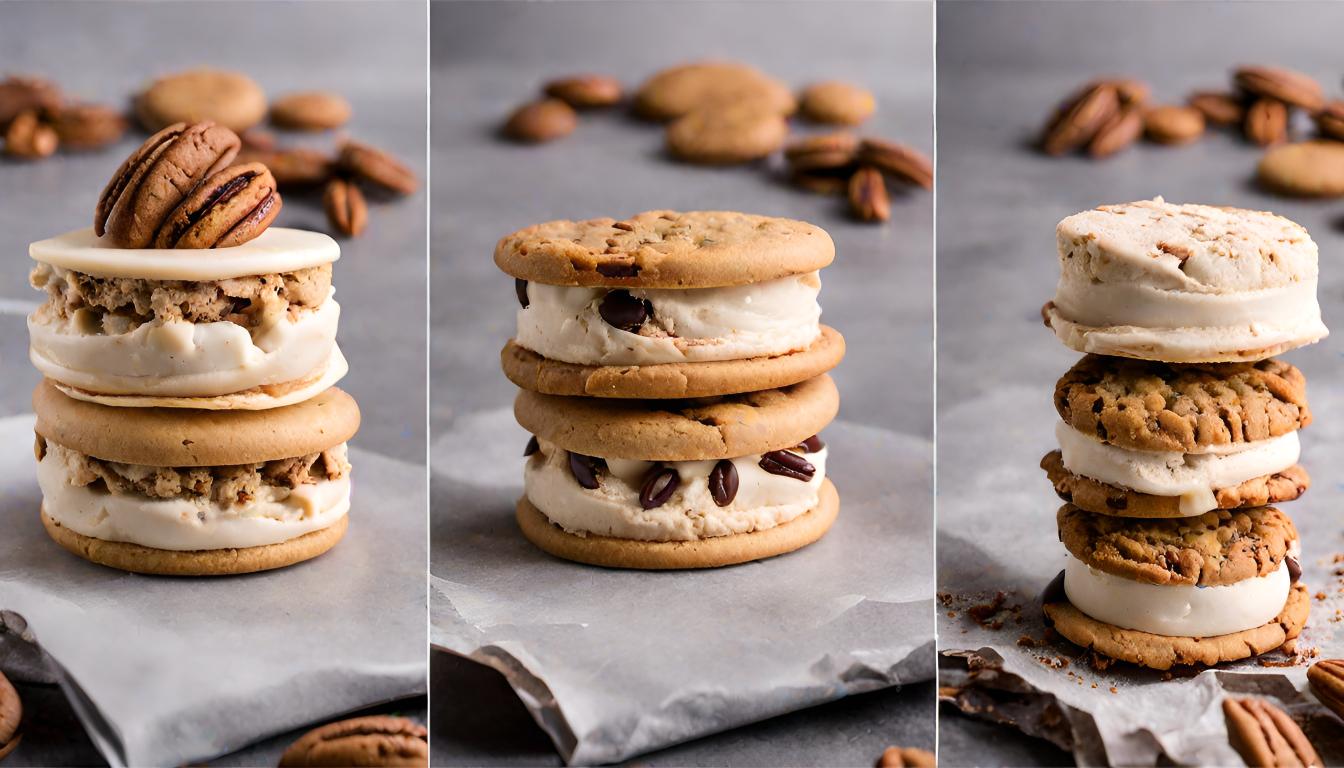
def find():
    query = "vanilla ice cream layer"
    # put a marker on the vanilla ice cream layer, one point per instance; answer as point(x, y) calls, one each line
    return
point(1176, 611)
point(276, 250)
point(686, 325)
point(103, 353)
point(763, 500)
point(276, 515)
point(1194, 477)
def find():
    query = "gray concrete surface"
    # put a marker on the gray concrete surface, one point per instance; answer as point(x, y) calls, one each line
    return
point(103, 52)
point(1001, 68)
point(486, 59)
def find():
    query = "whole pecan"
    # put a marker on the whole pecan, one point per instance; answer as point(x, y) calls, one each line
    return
point(1267, 122)
point(345, 207)
point(829, 151)
point(377, 167)
point(1265, 735)
point(11, 716)
point(26, 94)
point(292, 167)
point(1330, 120)
point(1326, 678)
point(1291, 88)
point(230, 208)
point(1078, 118)
point(899, 160)
point(1119, 132)
point(368, 741)
point(585, 91)
point(29, 138)
point(868, 195)
point(1218, 107)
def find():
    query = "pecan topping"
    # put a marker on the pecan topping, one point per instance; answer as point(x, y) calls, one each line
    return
point(230, 208)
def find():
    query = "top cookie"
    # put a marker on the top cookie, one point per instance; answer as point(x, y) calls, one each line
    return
point(687, 430)
point(674, 92)
point(1216, 548)
point(177, 437)
point(665, 249)
point(1149, 406)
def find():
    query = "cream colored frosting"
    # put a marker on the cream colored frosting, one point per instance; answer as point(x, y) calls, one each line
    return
point(276, 250)
point(275, 516)
point(1191, 476)
point(688, 325)
point(763, 500)
point(1179, 611)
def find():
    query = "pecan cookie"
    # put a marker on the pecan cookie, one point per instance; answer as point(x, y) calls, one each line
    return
point(310, 111)
point(680, 90)
point(227, 209)
point(726, 134)
point(837, 102)
point(230, 99)
point(1305, 169)
point(1213, 549)
point(1151, 406)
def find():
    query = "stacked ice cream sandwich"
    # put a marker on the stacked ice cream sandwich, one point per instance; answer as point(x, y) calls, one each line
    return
point(1179, 429)
point(673, 369)
point(187, 423)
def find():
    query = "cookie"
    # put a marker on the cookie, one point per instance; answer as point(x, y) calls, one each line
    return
point(231, 99)
point(213, 562)
point(1163, 652)
point(837, 102)
point(714, 552)
point(1304, 169)
point(1150, 406)
point(531, 371)
point(88, 126)
point(157, 177)
point(665, 249)
point(1184, 283)
point(1214, 549)
point(364, 741)
point(310, 111)
point(226, 210)
point(699, 429)
point(1106, 499)
point(680, 90)
point(726, 134)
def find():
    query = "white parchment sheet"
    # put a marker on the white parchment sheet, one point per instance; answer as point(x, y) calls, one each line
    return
point(615, 663)
point(997, 532)
point(163, 671)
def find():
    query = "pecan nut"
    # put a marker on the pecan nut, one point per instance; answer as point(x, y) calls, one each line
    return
point(230, 208)
point(906, 757)
point(1267, 122)
point(345, 207)
point(899, 160)
point(293, 167)
point(541, 121)
point(373, 741)
point(29, 138)
point(1326, 678)
point(88, 126)
point(11, 717)
point(1330, 120)
point(1078, 118)
point(1291, 88)
point(1118, 133)
point(827, 152)
point(1218, 108)
point(1173, 124)
point(868, 195)
point(378, 168)
point(586, 91)
point(26, 94)
point(1265, 735)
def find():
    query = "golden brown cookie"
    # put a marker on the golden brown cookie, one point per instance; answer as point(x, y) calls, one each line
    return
point(178, 437)
point(1215, 548)
point(1150, 406)
point(229, 208)
point(310, 111)
point(837, 102)
point(1304, 169)
point(231, 99)
point(666, 555)
point(1105, 499)
point(690, 430)
point(376, 740)
point(677, 91)
point(726, 134)
point(665, 249)
point(209, 562)
point(1162, 652)
point(529, 370)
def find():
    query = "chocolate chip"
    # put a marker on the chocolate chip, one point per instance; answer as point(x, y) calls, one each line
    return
point(812, 444)
point(622, 310)
point(723, 482)
point(788, 464)
point(618, 269)
point(659, 485)
point(520, 288)
point(532, 446)
point(585, 469)
point(1054, 591)
point(1294, 570)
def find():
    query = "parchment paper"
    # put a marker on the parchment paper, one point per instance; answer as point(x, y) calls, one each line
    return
point(163, 671)
point(997, 532)
point(615, 663)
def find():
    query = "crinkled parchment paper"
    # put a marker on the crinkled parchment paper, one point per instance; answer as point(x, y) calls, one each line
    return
point(615, 663)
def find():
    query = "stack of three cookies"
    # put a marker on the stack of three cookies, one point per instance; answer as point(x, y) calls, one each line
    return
point(673, 375)
point(1179, 429)
point(187, 423)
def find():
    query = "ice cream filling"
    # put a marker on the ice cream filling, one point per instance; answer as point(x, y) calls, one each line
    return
point(1177, 611)
point(670, 325)
point(761, 498)
point(1194, 477)
point(1088, 302)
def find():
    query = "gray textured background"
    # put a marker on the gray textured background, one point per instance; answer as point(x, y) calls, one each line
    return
point(1001, 68)
point(489, 57)
point(373, 53)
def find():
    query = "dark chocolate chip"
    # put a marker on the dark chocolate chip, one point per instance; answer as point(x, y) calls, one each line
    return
point(520, 288)
point(659, 485)
point(723, 482)
point(585, 469)
point(1054, 591)
point(622, 310)
point(532, 446)
point(618, 269)
point(788, 464)
point(812, 444)
point(1294, 570)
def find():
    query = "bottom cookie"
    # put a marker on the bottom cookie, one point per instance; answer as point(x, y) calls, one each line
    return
point(209, 562)
point(1162, 652)
point(668, 555)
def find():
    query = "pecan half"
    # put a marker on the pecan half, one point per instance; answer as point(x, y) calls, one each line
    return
point(229, 208)
point(1326, 678)
point(378, 168)
point(541, 121)
point(1078, 118)
point(832, 151)
point(585, 91)
point(345, 207)
point(88, 126)
point(1291, 88)
point(26, 94)
point(1265, 735)
point(1218, 107)
point(906, 757)
point(29, 138)
point(1119, 132)
point(868, 197)
point(903, 162)
point(11, 716)
point(1330, 120)
point(1267, 122)
point(292, 167)
point(373, 741)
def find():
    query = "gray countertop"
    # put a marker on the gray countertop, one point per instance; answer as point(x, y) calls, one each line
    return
point(103, 52)
point(1001, 68)
point(487, 58)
